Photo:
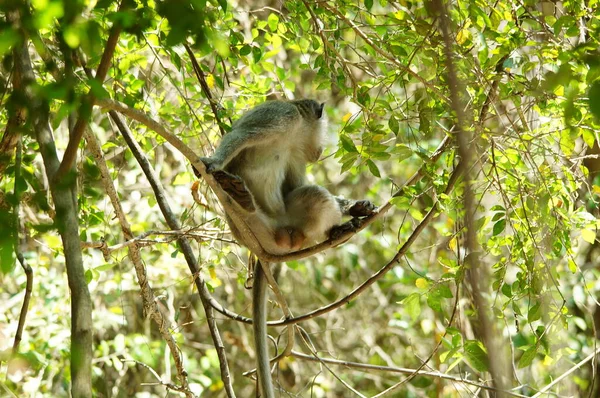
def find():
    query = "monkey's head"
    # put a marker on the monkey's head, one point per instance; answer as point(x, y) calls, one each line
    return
point(310, 109)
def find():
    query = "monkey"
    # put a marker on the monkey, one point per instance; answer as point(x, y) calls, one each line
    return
point(261, 163)
point(269, 148)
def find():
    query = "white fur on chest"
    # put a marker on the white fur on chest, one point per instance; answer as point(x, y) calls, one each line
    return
point(265, 171)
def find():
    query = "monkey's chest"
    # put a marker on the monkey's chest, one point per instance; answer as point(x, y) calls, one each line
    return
point(264, 176)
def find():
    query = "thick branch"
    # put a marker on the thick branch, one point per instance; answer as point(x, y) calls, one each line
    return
point(184, 244)
point(477, 273)
point(67, 222)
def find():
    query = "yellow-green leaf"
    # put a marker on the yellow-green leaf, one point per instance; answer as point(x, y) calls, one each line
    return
point(588, 235)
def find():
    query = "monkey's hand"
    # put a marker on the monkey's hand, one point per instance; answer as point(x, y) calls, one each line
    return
point(362, 208)
point(235, 187)
point(211, 164)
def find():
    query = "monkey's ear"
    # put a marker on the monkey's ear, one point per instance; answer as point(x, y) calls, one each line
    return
point(319, 110)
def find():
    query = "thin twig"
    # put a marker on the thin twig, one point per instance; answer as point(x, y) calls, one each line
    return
point(168, 386)
point(364, 366)
point(148, 298)
point(19, 255)
point(142, 240)
point(567, 373)
point(435, 349)
point(205, 89)
point(382, 52)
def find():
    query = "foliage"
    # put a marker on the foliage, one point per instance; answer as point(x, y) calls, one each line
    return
point(529, 75)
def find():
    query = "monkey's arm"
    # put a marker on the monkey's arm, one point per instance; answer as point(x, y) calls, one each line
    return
point(232, 144)
point(263, 126)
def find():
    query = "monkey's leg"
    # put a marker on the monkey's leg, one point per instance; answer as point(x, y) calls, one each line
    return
point(235, 187)
point(352, 225)
point(311, 211)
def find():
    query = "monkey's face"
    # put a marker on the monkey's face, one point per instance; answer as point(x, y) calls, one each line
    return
point(310, 108)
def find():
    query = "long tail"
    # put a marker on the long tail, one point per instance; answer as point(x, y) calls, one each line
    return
point(259, 324)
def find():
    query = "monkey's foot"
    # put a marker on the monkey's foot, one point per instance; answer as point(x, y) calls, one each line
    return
point(235, 187)
point(362, 208)
point(347, 227)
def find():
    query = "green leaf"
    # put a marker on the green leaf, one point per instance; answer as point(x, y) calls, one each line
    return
point(8, 38)
point(89, 276)
point(572, 266)
point(105, 267)
point(506, 290)
point(373, 168)
point(394, 125)
point(412, 305)
point(7, 246)
point(256, 54)
point(369, 4)
point(71, 36)
point(476, 355)
point(347, 143)
point(434, 301)
point(245, 50)
point(401, 152)
point(273, 21)
point(444, 291)
point(527, 357)
point(534, 313)
point(97, 89)
point(594, 99)
point(499, 227)
point(589, 138)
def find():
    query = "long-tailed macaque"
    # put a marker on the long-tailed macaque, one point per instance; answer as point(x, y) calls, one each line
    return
point(268, 148)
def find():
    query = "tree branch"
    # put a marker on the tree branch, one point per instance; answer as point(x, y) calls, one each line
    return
point(364, 366)
point(19, 255)
point(67, 222)
point(205, 89)
point(148, 299)
point(88, 102)
point(477, 273)
point(184, 244)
